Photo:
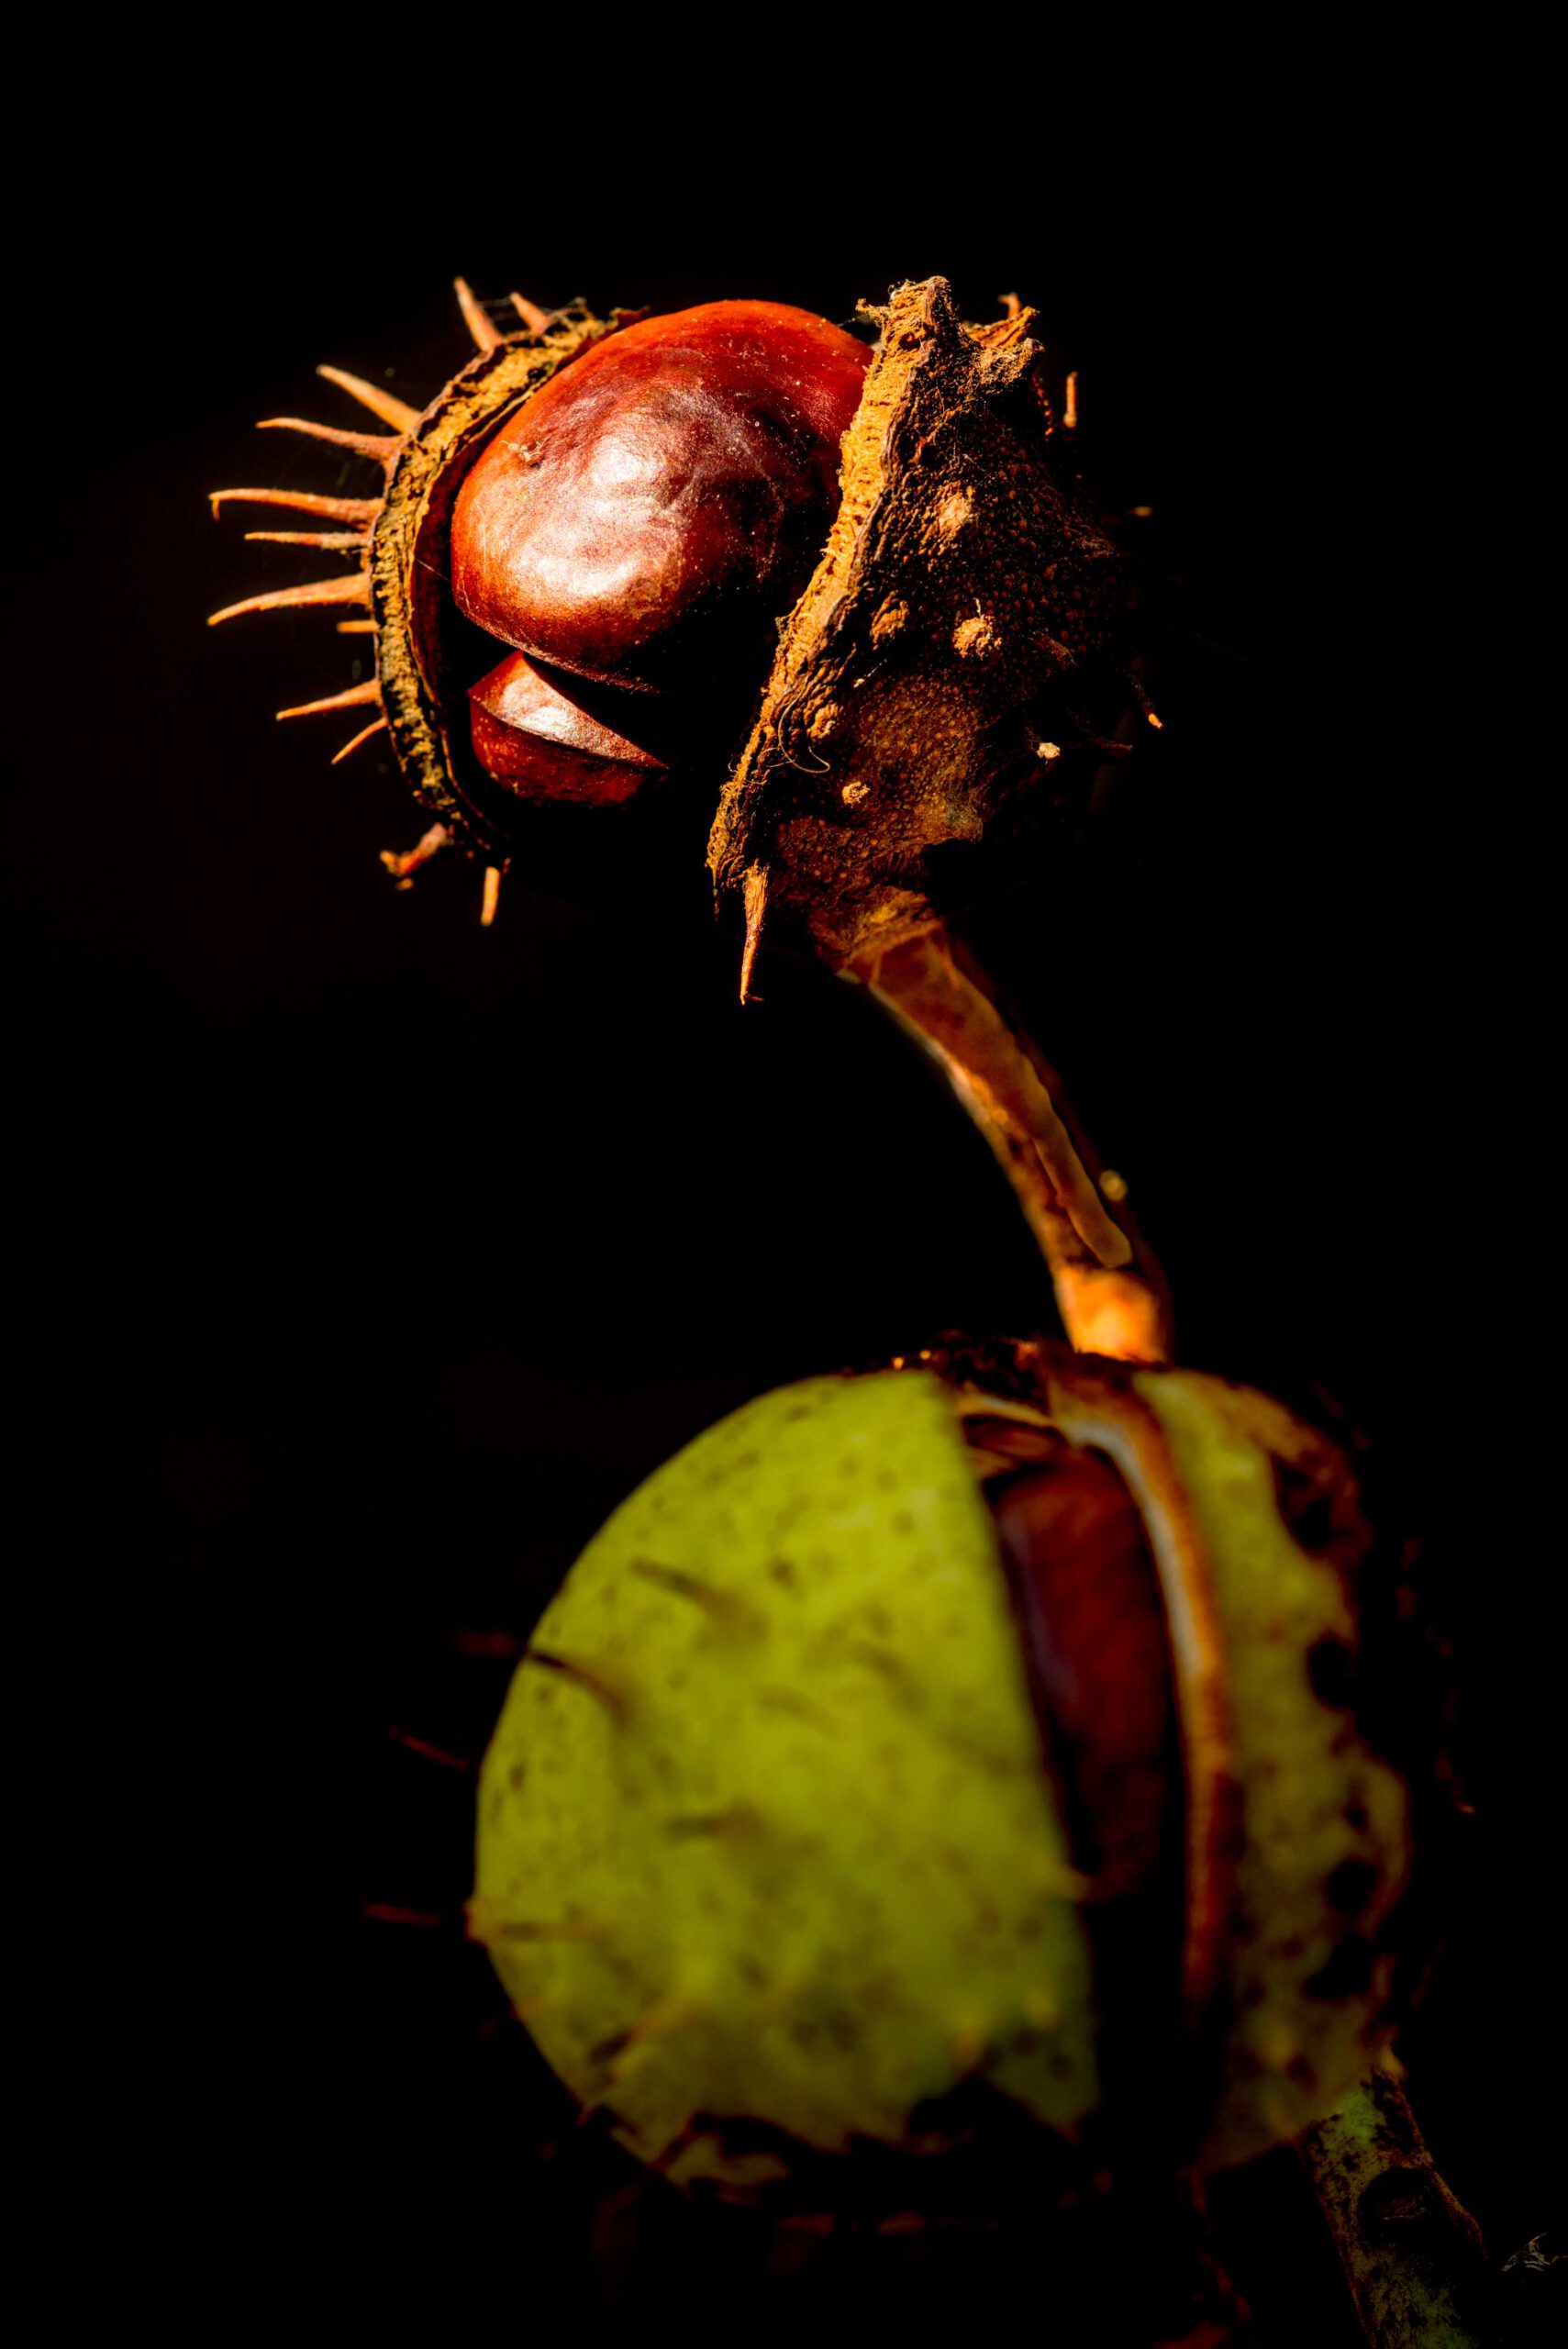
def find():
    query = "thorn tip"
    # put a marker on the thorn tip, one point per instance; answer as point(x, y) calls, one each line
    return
point(384, 404)
point(362, 510)
point(382, 446)
point(329, 541)
point(593, 1680)
point(754, 893)
point(376, 726)
point(485, 333)
point(352, 588)
point(402, 864)
point(354, 699)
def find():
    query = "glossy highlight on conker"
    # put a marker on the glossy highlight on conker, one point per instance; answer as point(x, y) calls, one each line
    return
point(663, 498)
point(651, 514)
point(533, 735)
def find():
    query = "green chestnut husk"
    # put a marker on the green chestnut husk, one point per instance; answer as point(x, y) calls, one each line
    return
point(777, 1854)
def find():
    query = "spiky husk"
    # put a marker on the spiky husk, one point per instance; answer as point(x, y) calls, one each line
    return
point(427, 711)
point(769, 1857)
point(963, 575)
point(770, 1841)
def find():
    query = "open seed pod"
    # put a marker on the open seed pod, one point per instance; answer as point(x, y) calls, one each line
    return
point(400, 540)
point(730, 555)
point(967, 1749)
point(962, 1746)
point(655, 523)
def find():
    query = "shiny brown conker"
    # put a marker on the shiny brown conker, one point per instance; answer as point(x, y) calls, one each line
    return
point(542, 743)
point(1087, 1593)
point(651, 514)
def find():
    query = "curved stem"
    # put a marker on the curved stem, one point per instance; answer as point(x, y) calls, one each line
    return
point(1109, 1289)
point(1411, 2253)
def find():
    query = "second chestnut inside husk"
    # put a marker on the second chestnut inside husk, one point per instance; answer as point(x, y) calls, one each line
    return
point(851, 582)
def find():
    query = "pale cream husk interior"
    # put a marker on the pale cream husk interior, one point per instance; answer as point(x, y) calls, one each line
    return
point(1314, 1794)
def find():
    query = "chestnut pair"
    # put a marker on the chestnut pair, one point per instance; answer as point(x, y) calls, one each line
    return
point(995, 1720)
point(635, 530)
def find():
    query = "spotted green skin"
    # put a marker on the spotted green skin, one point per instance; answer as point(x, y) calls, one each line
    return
point(778, 1844)
point(1314, 1796)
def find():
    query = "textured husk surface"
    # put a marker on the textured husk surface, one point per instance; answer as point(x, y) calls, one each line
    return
point(767, 1856)
point(410, 568)
point(1322, 1834)
point(964, 574)
point(1259, 1535)
point(771, 1859)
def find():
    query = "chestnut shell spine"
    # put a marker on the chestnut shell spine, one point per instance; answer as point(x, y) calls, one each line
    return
point(398, 538)
point(946, 484)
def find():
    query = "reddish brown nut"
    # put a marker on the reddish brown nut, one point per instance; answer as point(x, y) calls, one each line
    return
point(650, 513)
point(863, 585)
point(1086, 1596)
point(543, 744)
point(986, 1771)
point(1088, 1601)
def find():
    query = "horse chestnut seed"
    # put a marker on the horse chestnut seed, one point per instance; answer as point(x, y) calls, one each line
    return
point(849, 592)
point(542, 742)
point(949, 1747)
point(650, 513)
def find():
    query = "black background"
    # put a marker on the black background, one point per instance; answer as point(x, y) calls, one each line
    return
point(380, 1256)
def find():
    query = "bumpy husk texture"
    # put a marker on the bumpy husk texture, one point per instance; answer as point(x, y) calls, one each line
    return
point(1297, 1827)
point(963, 576)
point(775, 1847)
point(427, 711)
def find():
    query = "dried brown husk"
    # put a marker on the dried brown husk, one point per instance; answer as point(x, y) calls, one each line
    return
point(410, 566)
point(963, 576)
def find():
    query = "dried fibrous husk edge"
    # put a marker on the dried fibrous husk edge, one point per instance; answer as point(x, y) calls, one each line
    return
point(962, 574)
point(409, 548)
